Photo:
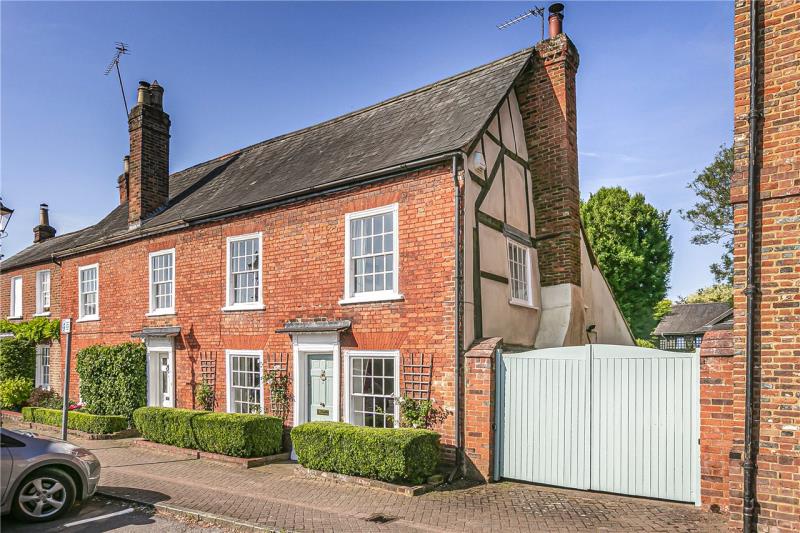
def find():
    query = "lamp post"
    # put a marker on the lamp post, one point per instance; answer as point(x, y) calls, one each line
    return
point(5, 216)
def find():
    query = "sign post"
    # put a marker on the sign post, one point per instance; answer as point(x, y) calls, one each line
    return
point(66, 329)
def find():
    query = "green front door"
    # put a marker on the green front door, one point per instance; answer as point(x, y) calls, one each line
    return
point(320, 387)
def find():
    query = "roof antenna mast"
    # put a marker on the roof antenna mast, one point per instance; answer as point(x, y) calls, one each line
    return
point(122, 49)
point(533, 12)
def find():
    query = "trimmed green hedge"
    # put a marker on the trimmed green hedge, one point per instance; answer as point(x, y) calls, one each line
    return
point(387, 454)
point(113, 378)
point(77, 420)
point(238, 435)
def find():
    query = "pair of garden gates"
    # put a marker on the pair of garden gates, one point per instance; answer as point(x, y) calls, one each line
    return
point(619, 419)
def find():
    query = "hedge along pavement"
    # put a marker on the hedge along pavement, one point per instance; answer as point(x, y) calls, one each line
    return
point(113, 378)
point(237, 435)
point(76, 420)
point(387, 454)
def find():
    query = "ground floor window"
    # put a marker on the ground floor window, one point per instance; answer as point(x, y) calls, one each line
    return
point(43, 366)
point(373, 386)
point(245, 393)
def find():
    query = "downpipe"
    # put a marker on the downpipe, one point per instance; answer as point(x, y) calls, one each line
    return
point(457, 329)
point(749, 517)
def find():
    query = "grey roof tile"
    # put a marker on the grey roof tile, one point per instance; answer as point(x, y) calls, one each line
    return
point(427, 122)
point(693, 318)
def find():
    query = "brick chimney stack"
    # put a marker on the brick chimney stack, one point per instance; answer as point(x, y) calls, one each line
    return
point(546, 95)
point(148, 166)
point(44, 230)
point(122, 181)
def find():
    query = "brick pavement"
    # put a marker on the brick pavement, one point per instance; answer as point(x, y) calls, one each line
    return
point(273, 497)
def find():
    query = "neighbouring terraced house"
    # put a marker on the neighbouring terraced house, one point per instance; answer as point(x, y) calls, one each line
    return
point(363, 255)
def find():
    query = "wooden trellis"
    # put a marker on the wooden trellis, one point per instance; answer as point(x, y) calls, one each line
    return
point(417, 372)
point(208, 368)
point(278, 361)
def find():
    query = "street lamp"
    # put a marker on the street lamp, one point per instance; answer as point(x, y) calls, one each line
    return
point(5, 216)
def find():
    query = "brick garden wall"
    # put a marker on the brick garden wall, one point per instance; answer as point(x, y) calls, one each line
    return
point(716, 419)
point(303, 269)
point(777, 233)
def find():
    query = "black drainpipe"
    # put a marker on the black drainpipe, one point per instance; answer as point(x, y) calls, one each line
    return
point(457, 332)
point(750, 450)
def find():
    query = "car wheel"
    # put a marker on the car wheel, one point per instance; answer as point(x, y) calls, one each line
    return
point(44, 495)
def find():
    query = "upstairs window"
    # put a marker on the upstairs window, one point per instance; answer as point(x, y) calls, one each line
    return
point(42, 292)
point(88, 293)
point(43, 366)
point(15, 309)
point(244, 272)
point(371, 255)
point(162, 282)
point(519, 273)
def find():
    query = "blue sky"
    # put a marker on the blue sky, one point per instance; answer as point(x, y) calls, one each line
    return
point(655, 89)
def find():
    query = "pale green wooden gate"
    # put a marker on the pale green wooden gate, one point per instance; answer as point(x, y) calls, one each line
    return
point(610, 418)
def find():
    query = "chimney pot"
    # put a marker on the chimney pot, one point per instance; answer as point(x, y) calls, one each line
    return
point(555, 19)
point(143, 95)
point(44, 215)
point(126, 164)
point(156, 94)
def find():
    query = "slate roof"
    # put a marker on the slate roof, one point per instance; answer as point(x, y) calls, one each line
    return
point(685, 319)
point(431, 121)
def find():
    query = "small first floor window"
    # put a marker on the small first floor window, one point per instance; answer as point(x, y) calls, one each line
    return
point(43, 291)
point(162, 281)
point(245, 393)
point(15, 310)
point(371, 254)
point(680, 343)
point(88, 292)
point(244, 271)
point(373, 388)
point(519, 273)
point(698, 340)
point(43, 366)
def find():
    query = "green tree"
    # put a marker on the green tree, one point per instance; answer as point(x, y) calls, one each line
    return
point(712, 214)
point(662, 309)
point(631, 241)
point(720, 292)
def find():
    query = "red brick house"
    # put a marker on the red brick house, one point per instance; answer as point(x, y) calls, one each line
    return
point(751, 461)
point(362, 255)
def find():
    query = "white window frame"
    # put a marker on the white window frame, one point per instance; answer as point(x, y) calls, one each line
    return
point(40, 309)
point(393, 355)
point(228, 370)
point(247, 306)
point(96, 316)
point(511, 299)
point(167, 310)
point(375, 296)
point(13, 312)
point(40, 374)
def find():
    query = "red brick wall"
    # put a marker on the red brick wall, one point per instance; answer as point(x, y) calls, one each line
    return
point(777, 233)
point(303, 269)
point(479, 368)
point(716, 419)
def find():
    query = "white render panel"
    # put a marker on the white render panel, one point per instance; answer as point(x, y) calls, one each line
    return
point(516, 208)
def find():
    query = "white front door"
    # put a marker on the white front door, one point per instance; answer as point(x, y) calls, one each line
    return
point(160, 379)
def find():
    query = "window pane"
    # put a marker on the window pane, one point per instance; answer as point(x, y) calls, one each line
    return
point(372, 399)
point(372, 244)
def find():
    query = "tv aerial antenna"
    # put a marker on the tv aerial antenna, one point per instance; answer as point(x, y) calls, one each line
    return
point(533, 12)
point(122, 49)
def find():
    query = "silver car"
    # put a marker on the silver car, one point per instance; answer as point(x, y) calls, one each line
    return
point(41, 478)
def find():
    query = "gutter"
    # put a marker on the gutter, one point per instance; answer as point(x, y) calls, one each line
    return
point(749, 515)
